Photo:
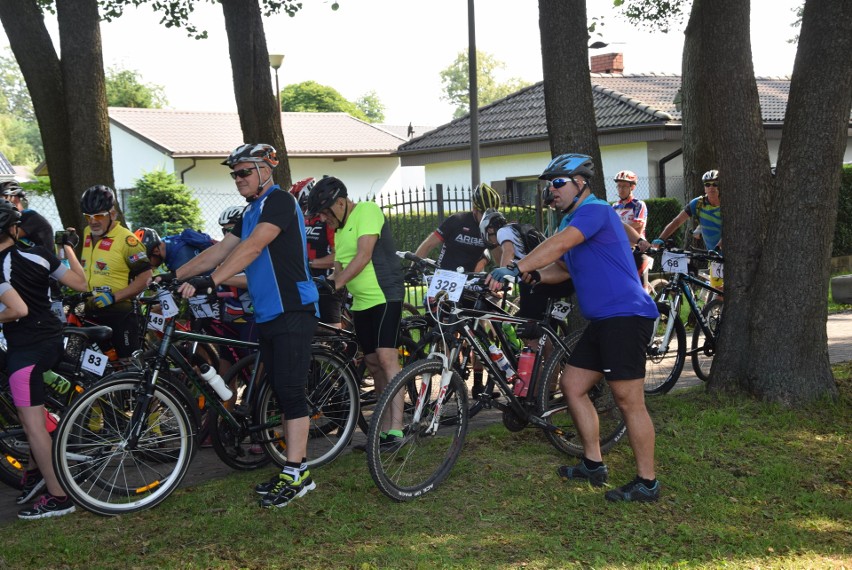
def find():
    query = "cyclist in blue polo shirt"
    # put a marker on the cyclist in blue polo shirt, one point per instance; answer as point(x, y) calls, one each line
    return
point(593, 249)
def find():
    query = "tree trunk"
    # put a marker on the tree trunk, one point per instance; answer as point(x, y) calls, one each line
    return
point(789, 362)
point(743, 163)
point(256, 103)
point(699, 154)
point(569, 109)
point(85, 99)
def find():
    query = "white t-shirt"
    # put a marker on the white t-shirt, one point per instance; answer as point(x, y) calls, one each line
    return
point(506, 233)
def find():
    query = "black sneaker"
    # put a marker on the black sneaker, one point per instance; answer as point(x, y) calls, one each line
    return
point(32, 484)
point(266, 486)
point(287, 489)
point(597, 477)
point(635, 492)
point(47, 506)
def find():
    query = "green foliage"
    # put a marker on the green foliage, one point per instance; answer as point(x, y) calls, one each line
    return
point(14, 95)
point(661, 211)
point(163, 203)
point(124, 88)
point(20, 141)
point(843, 228)
point(658, 15)
point(372, 107)
point(312, 97)
point(41, 187)
point(455, 81)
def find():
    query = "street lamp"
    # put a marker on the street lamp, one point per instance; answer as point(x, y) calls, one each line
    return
point(275, 61)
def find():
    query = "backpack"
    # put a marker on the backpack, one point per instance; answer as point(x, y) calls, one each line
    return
point(194, 239)
point(528, 235)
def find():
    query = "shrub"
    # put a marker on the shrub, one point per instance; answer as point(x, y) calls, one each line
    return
point(843, 229)
point(161, 202)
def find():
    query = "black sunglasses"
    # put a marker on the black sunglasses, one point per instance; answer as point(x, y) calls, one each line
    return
point(242, 173)
point(711, 184)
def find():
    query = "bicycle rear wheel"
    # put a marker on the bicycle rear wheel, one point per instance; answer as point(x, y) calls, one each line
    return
point(332, 394)
point(553, 408)
point(415, 464)
point(703, 349)
point(14, 448)
point(664, 362)
point(95, 462)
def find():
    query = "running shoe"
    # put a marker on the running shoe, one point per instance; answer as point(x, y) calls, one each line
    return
point(635, 492)
point(47, 506)
point(597, 477)
point(287, 489)
point(32, 484)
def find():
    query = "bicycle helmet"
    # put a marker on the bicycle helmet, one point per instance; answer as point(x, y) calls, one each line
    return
point(491, 219)
point(253, 153)
point(12, 188)
point(324, 194)
point(230, 215)
point(149, 238)
point(98, 198)
point(485, 198)
point(301, 190)
point(9, 215)
point(626, 176)
point(567, 165)
point(710, 176)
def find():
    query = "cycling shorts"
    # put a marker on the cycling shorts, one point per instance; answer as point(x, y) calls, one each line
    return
point(614, 346)
point(285, 349)
point(26, 367)
point(378, 326)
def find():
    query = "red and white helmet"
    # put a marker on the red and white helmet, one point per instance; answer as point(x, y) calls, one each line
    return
point(301, 190)
point(626, 176)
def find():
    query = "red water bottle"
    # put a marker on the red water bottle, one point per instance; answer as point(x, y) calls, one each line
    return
point(525, 368)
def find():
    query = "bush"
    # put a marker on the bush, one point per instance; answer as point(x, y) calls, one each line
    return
point(661, 211)
point(843, 229)
point(161, 202)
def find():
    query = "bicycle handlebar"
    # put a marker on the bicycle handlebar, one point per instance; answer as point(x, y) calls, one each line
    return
point(699, 254)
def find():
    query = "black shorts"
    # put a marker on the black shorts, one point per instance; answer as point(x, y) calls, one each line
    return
point(26, 366)
point(125, 329)
point(378, 327)
point(533, 302)
point(614, 346)
point(285, 349)
point(329, 307)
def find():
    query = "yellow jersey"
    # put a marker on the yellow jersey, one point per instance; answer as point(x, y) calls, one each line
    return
point(113, 259)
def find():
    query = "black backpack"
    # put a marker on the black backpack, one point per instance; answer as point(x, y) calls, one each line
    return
point(529, 236)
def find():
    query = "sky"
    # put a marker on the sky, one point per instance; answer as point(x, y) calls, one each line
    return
point(396, 48)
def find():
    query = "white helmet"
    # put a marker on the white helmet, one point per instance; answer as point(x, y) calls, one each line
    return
point(230, 215)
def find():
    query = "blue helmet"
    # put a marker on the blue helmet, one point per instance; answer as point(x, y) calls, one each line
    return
point(567, 165)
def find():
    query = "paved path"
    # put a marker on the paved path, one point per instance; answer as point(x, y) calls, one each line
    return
point(206, 466)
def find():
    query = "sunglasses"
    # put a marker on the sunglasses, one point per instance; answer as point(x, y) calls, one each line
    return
point(711, 184)
point(560, 182)
point(100, 216)
point(242, 173)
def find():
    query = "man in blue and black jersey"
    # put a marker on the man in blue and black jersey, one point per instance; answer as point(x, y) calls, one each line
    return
point(269, 243)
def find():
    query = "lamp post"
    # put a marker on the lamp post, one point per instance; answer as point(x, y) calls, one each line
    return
point(275, 61)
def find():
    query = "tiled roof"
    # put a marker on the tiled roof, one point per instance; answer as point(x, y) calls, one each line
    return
point(200, 133)
point(621, 102)
point(402, 130)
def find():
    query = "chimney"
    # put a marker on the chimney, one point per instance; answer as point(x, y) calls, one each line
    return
point(608, 63)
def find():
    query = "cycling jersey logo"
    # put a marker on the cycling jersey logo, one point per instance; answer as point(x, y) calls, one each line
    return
point(105, 244)
point(313, 232)
point(131, 241)
point(137, 257)
point(88, 242)
point(469, 240)
point(101, 265)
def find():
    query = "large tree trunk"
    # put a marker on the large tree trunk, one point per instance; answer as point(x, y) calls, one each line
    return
point(699, 154)
point(789, 348)
point(569, 109)
point(85, 99)
point(743, 162)
point(256, 103)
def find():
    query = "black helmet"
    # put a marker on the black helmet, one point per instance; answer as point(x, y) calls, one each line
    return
point(568, 165)
point(253, 153)
point(491, 219)
point(12, 188)
point(324, 194)
point(149, 238)
point(9, 215)
point(98, 198)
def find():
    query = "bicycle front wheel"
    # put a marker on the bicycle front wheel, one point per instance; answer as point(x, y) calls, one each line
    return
point(664, 360)
point(553, 408)
point(703, 349)
point(332, 394)
point(406, 468)
point(98, 466)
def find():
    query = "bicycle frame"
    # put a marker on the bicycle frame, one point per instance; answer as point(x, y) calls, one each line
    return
point(682, 283)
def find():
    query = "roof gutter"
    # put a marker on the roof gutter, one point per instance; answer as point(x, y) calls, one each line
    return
point(187, 169)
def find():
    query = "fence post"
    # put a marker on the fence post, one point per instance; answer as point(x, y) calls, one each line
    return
point(439, 189)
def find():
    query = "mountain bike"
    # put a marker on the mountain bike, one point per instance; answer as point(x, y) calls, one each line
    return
point(434, 423)
point(667, 351)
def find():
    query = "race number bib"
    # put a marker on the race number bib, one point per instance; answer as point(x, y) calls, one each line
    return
point(717, 269)
point(450, 282)
point(156, 322)
point(201, 308)
point(56, 309)
point(168, 306)
point(674, 262)
point(561, 310)
point(94, 362)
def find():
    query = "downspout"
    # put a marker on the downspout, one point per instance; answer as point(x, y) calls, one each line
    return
point(185, 170)
point(662, 170)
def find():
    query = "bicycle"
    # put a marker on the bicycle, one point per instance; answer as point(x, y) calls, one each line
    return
point(139, 450)
point(667, 351)
point(435, 422)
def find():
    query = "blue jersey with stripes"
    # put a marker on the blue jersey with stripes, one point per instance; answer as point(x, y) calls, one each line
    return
point(710, 218)
point(602, 267)
point(279, 279)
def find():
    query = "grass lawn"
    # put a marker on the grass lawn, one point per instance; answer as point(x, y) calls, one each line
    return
point(745, 485)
